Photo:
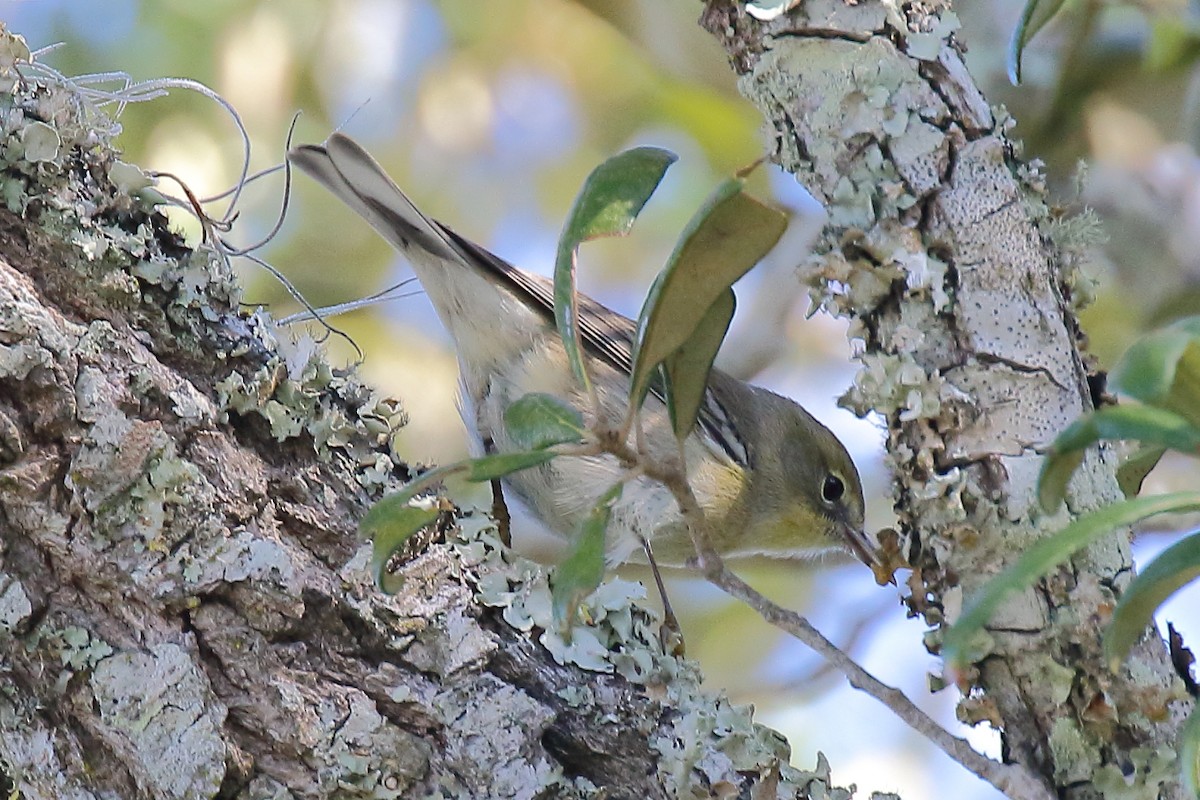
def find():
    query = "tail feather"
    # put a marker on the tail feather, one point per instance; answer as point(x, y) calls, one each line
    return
point(355, 177)
point(467, 285)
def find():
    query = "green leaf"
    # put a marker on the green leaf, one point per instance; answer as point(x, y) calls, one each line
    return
point(1174, 567)
point(583, 569)
point(499, 465)
point(1147, 424)
point(610, 200)
point(1147, 369)
point(1189, 325)
point(537, 421)
point(1163, 369)
point(390, 522)
point(1189, 754)
point(1034, 17)
point(1044, 556)
point(725, 238)
point(688, 367)
point(1134, 469)
point(398, 521)
point(1173, 44)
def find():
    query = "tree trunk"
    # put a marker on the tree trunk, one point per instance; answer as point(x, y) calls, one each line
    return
point(963, 287)
point(185, 607)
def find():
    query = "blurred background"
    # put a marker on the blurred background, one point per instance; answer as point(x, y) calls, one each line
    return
point(490, 121)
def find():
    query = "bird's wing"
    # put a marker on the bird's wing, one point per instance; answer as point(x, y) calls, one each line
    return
point(604, 332)
point(352, 174)
point(606, 335)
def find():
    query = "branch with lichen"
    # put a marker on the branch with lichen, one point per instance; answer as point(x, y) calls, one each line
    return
point(942, 250)
point(1014, 781)
point(180, 576)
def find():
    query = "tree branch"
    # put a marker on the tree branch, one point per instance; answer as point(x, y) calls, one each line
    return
point(1014, 780)
point(185, 608)
point(939, 248)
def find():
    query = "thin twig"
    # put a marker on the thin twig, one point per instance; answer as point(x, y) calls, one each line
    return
point(811, 681)
point(325, 312)
point(1014, 780)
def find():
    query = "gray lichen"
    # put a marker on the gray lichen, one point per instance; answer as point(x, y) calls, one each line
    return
point(188, 589)
point(165, 709)
point(15, 607)
point(298, 393)
point(961, 283)
point(710, 742)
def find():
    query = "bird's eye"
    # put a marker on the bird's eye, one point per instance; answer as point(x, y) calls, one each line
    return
point(832, 489)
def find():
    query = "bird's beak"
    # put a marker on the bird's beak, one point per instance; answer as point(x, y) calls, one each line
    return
point(869, 551)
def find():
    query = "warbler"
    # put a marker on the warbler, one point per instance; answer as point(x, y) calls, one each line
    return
point(772, 480)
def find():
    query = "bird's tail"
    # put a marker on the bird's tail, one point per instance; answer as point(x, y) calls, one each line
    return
point(467, 285)
point(343, 167)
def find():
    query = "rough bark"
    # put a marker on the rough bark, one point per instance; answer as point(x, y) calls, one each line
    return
point(185, 607)
point(962, 286)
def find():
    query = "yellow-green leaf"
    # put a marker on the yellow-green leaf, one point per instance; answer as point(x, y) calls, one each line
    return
point(686, 370)
point(1034, 17)
point(611, 199)
point(1163, 369)
point(1147, 424)
point(582, 570)
point(1044, 556)
point(727, 237)
point(499, 465)
point(1134, 469)
point(1174, 567)
point(390, 522)
point(537, 421)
